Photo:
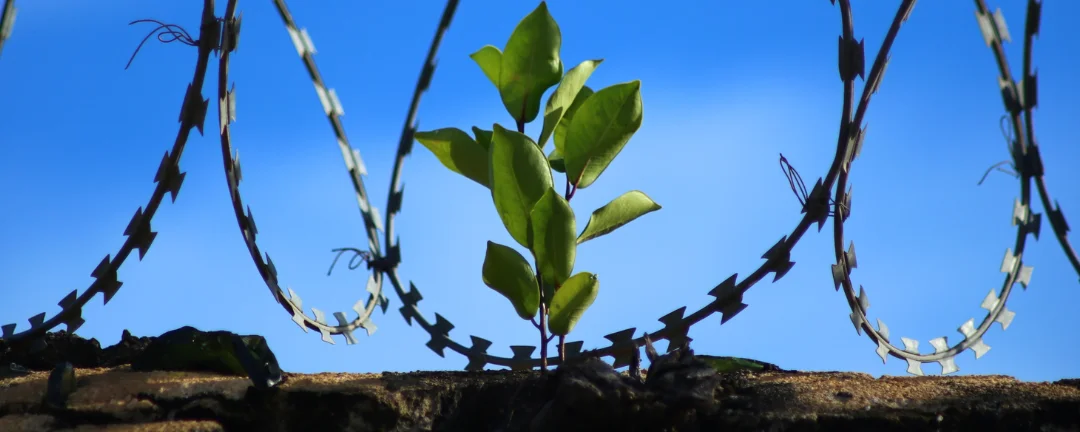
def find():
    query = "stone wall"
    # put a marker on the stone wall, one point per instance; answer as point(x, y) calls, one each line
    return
point(513, 401)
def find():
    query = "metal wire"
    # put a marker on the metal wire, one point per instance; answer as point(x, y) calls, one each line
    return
point(1031, 161)
point(139, 234)
point(292, 303)
point(1027, 222)
point(222, 35)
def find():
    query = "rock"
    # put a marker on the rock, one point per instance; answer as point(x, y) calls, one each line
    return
point(682, 380)
point(81, 353)
point(183, 349)
point(588, 394)
point(190, 349)
point(58, 346)
point(124, 351)
point(61, 384)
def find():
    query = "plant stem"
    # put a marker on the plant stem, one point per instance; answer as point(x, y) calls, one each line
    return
point(543, 322)
point(571, 187)
point(570, 190)
point(539, 285)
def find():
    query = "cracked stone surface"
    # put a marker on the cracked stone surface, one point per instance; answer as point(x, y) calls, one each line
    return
point(679, 394)
point(122, 399)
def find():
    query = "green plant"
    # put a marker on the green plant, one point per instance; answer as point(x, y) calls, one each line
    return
point(588, 128)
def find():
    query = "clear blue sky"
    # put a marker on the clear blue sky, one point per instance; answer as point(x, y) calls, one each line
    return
point(727, 86)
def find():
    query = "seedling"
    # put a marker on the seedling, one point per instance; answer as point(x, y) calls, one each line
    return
point(588, 130)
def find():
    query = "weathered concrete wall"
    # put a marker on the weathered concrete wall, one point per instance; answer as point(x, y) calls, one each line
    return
point(510, 401)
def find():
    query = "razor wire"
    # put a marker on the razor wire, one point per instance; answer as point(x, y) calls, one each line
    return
point(1025, 153)
point(138, 232)
point(223, 34)
point(727, 295)
point(1027, 222)
point(293, 303)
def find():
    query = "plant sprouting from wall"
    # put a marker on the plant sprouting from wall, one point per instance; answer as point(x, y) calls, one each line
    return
point(588, 130)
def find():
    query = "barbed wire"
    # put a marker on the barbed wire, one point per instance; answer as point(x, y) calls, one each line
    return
point(727, 295)
point(292, 302)
point(138, 232)
point(994, 30)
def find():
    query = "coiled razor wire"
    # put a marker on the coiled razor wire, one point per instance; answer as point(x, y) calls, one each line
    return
point(292, 303)
point(727, 295)
point(139, 234)
point(1026, 159)
point(223, 34)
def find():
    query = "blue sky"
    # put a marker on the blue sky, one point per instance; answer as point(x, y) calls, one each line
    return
point(727, 86)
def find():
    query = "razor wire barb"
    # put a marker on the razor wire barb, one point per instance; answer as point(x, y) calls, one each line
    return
point(138, 232)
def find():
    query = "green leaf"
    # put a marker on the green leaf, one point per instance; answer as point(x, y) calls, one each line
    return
point(571, 300)
point(620, 211)
point(489, 58)
point(553, 228)
point(457, 151)
point(556, 161)
point(564, 124)
point(483, 137)
point(530, 64)
point(601, 127)
point(520, 175)
point(507, 272)
point(564, 96)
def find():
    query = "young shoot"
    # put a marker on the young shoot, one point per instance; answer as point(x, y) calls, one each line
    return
point(588, 130)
